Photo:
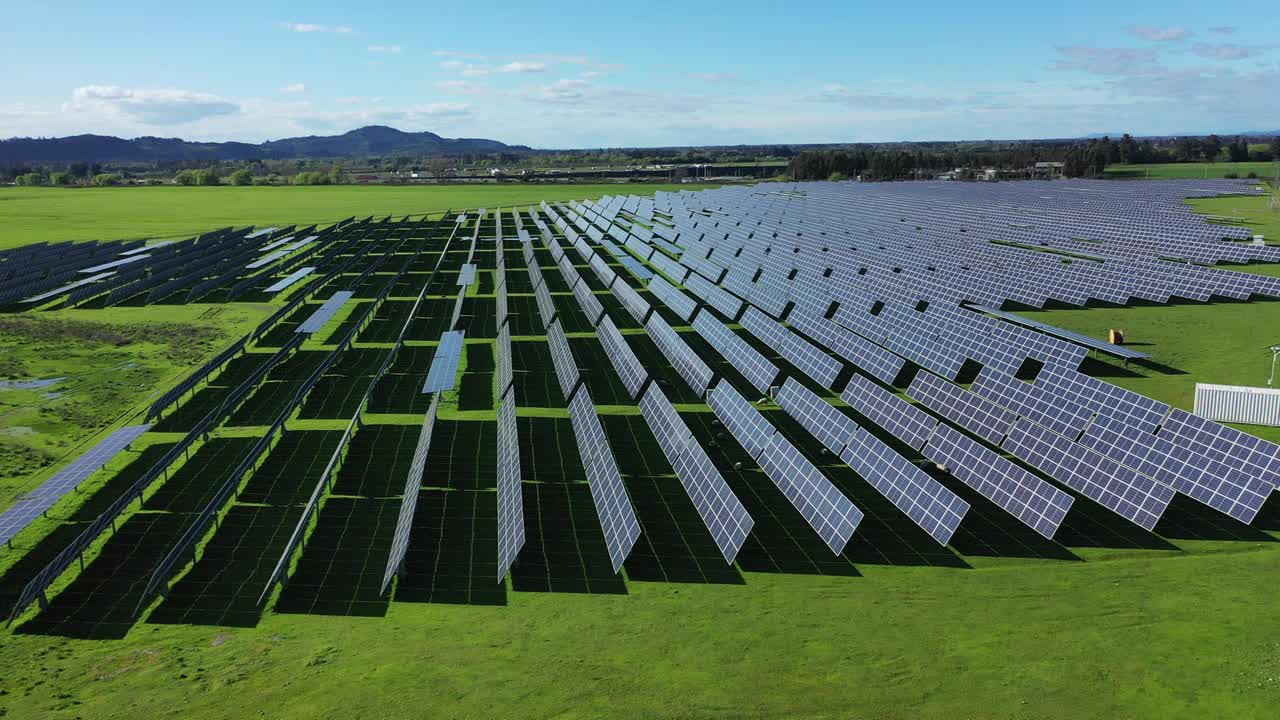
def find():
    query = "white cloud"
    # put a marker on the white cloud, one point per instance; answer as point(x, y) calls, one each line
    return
point(592, 75)
point(315, 28)
point(715, 77)
point(523, 67)
point(149, 107)
point(392, 49)
point(1104, 61)
point(452, 65)
point(456, 54)
point(1222, 30)
point(1227, 51)
point(1159, 34)
point(294, 88)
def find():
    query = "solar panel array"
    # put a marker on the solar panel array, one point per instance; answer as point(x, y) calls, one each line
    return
point(562, 358)
point(937, 510)
point(511, 531)
point(882, 277)
point(38, 501)
point(678, 302)
point(623, 358)
point(409, 498)
point(976, 414)
point(1125, 492)
point(443, 374)
point(903, 420)
point(1038, 504)
point(832, 515)
point(745, 359)
point(325, 312)
point(752, 431)
point(809, 359)
point(720, 510)
point(613, 506)
point(677, 352)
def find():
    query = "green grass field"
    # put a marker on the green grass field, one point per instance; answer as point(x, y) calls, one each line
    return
point(1171, 171)
point(1184, 630)
point(52, 214)
point(1254, 213)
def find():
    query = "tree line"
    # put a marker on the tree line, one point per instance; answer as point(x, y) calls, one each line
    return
point(1088, 158)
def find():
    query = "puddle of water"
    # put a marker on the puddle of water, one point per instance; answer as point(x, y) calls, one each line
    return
point(29, 384)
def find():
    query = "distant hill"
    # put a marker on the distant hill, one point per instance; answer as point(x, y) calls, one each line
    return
point(363, 142)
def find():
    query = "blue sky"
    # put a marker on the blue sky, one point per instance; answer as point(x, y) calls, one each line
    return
point(591, 74)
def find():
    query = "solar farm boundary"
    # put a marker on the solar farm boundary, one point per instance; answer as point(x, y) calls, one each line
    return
point(324, 483)
point(36, 587)
point(186, 546)
point(173, 395)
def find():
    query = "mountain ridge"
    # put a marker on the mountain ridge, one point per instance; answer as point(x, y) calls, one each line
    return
point(361, 142)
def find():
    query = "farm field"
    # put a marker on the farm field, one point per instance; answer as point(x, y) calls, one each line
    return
point(1111, 622)
point(52, 214)
point(1193, 171)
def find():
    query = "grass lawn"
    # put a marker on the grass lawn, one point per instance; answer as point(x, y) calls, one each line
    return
point(1254, 213)
point(51, 214)
point(112, 363)
point(1114, 625)
point(1170, 171)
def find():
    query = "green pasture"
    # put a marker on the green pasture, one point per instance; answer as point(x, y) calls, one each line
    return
point(53, 214)
point(1185, 624)
point(1172, 171)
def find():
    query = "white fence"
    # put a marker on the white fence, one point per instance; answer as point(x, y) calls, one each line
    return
point(1233, 403)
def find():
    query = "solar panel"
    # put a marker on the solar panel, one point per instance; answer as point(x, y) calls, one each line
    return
point(978, 415)
point(1195, 463)
point(694, 371)
point(602, 270)
point(720, 510)
point(290, 279)
point(830, 426)
point(467, 275)
point(622, 357)
point(1059, 414)
point(678, 302)
point(325, 312)
point(723, 301)
point(506, 373)
point(827, 511)
point(1102, 398)
point(409, 498)
point(752, 431)
point(511, 532)
point(1127, 493)
point(546, 306)
point(636, 267)
point(1037, 504)
point(266, 259)
point(113, 264)
point(1075, 337)
point(617, 517)
point(928, 503)
point(260, 233)
point(754, 367)
point(631, 300)
point(807, 358)
point(443, 374)
point(562, 358)
point(68, 288)
point(275, 244)
point(900, 418)
point(39, 500)
point(875, 360)
point(589, 303)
